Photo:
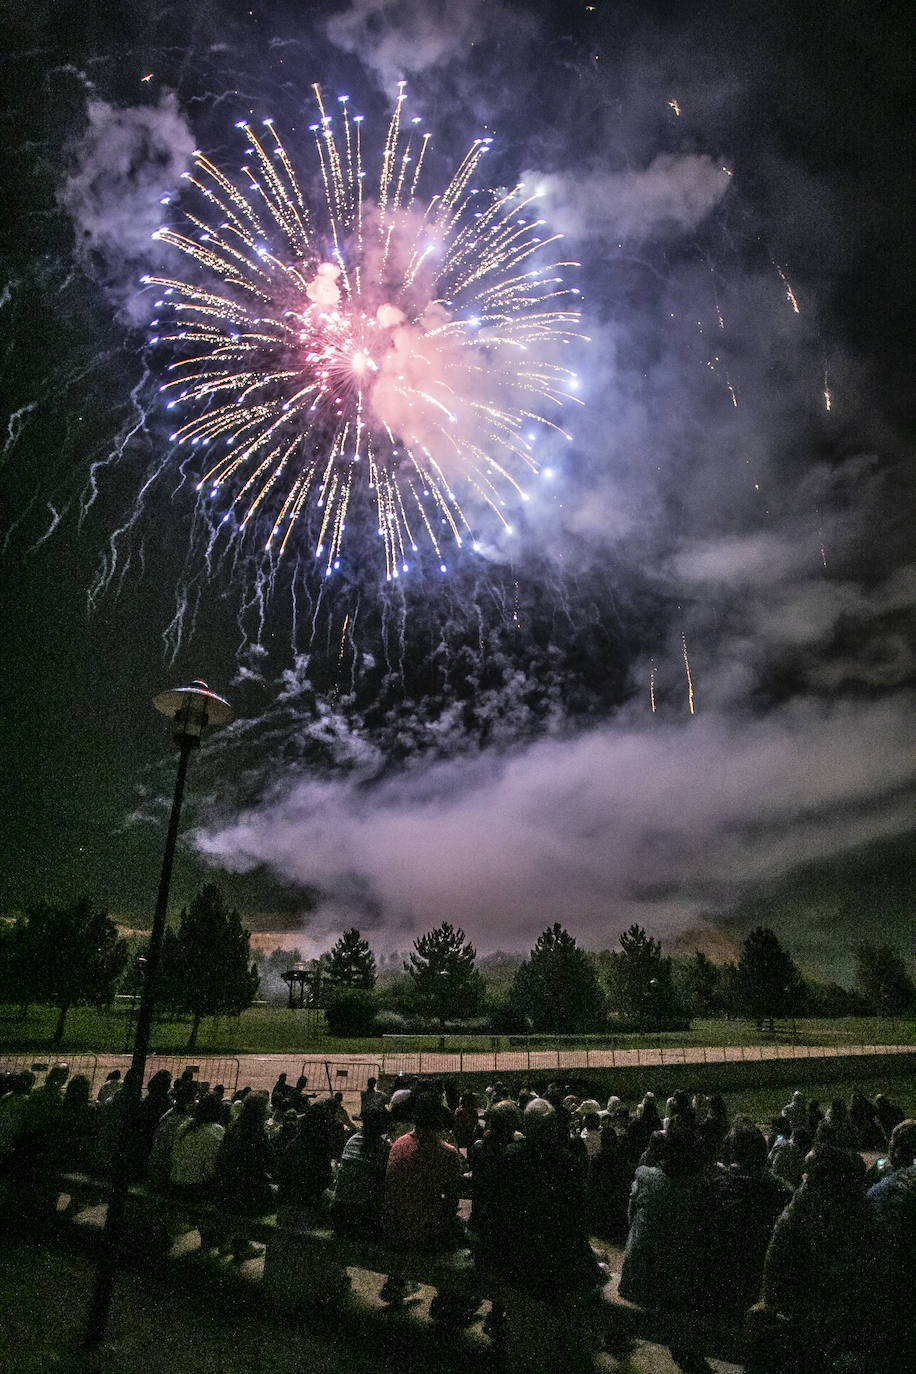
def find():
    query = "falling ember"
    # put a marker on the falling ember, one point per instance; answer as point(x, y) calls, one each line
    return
point(827, 398)
point(364, 342)
point(790, 294)
point(689, 678)
point(673, 105)
point(652, 688)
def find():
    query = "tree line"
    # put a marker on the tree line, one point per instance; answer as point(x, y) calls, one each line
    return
point(561, 988)
point(69, 955)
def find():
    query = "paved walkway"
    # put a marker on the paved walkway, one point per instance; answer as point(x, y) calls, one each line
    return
point(348, 1073)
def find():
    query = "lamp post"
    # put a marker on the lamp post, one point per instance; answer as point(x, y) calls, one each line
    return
point(191, 709)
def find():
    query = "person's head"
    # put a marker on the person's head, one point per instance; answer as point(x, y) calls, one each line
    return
point(681, 1153)
point(902, 1147)
point(281, 1078)
point(208, 1111)
point(57, 1076)
point(612, 1104)
point(159, 1084)
point(183, 1093)
point(834, 1177)
point(114, 1076)
point(554, 1094)
point(798, 1098)
point(746, 1148)
point(468, 1101)
point(77, 1091)
point(374, 1122)
point(837, 1108)
point(370, 1083)
point(427, 1113)
point(802, 1138)
point(301, 1083)
point(338, 1098)
point(253, 1117)
point(503, 1119)
point(539, 1122)
point(25, 1082)
point(220, 1091)
point(589, 1112)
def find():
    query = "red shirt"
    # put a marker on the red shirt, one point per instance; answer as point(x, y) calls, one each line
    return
point(421, 1191)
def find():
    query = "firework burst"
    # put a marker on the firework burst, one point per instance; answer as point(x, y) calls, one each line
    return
point(379, 341)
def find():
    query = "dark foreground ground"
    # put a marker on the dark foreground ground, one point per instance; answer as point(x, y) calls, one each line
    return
point(190, 1319)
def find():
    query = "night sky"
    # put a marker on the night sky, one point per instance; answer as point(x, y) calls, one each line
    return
point(729, 527)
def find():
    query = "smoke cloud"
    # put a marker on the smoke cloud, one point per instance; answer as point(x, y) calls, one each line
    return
point(125, 162)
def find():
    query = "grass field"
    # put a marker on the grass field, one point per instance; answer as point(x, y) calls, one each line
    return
point(276, 1030)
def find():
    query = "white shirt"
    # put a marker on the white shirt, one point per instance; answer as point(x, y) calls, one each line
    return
point(194, 1153)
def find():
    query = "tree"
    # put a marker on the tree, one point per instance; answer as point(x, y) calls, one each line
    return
point(350, 963)
point(444, 978)
point(883, 978)
point(640, 981)
point(557, 986)
point(698, 984)
point(69, 956)
point(213, 970)
point(768, 983)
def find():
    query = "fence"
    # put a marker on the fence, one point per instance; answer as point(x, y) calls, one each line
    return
point(528, 1060)
point(97, 1067)
point(346, 1077)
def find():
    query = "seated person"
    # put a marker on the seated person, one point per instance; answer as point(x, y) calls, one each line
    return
point(356, 1206)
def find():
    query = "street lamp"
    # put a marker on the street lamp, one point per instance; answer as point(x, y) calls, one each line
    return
point(191, 709)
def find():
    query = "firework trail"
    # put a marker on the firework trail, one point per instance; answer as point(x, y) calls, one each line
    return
point(375, 342)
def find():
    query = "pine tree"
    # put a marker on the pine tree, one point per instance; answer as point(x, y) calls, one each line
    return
point(214, 972)
point(640, 982)
point(446, 983)
point(557, 987)
point(768, 983)
point(350, 963)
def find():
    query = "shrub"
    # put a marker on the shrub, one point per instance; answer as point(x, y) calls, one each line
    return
point(390, 1023)
point(351, 1011)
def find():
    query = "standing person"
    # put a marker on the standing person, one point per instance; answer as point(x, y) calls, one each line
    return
point(371, 1099)
point(279, 1093)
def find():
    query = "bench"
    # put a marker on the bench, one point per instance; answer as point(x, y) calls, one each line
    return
point(306, 1270)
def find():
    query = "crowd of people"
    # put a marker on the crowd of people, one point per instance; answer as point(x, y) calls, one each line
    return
point(784, 1235)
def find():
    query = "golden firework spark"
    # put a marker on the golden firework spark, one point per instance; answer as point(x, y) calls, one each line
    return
point(354, 340)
